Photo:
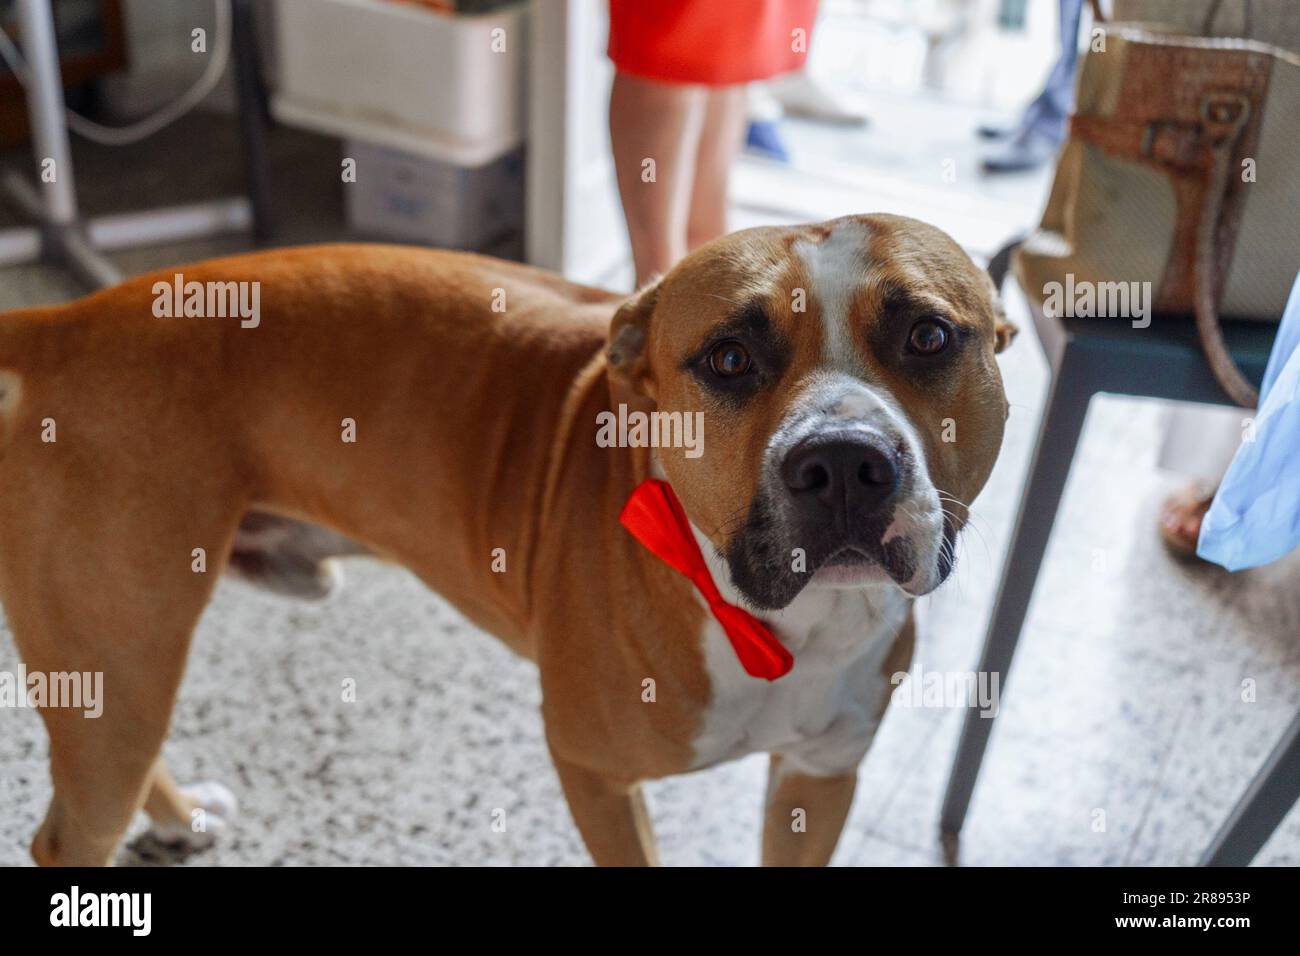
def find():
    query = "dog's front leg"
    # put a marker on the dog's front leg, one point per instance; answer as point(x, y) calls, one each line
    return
point(804, 816)
point(611, 817)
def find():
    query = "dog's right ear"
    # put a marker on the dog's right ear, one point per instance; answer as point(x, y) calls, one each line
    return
point(629, 336)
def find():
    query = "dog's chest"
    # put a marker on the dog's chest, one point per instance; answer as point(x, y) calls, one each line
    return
point(822, 715)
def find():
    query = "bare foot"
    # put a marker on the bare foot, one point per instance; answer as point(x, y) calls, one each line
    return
point(1180, 519)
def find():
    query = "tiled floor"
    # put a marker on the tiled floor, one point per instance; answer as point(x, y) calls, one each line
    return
point(1123, 737)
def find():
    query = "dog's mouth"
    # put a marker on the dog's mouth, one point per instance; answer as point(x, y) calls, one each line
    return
point(892, 558)
point(770, 567)
point(850, 567)
point(849, 556)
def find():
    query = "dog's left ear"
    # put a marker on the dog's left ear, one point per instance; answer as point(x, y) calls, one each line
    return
point(1003, 330)
point(629, 335)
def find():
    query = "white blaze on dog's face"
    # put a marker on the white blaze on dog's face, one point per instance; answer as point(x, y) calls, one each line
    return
point(852, 402)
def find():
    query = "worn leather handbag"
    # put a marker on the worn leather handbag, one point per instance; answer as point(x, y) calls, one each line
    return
point(1181, 171)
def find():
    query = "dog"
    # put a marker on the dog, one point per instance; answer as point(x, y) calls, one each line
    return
point(440, 410)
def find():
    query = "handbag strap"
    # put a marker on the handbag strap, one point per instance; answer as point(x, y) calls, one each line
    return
point(1208, 325)
point(1247, 15)
point(1211, 12)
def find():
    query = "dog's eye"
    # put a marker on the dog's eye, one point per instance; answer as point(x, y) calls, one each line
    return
point(729, 360)
point(928, 337)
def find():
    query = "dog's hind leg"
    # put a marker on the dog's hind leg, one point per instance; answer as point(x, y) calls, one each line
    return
point(191, 816)
point(288, 557)
point(108, 590)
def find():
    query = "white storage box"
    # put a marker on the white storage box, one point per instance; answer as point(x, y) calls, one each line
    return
point(404, 76)
point(411, 198)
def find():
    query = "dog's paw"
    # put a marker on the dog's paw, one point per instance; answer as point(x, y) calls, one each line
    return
point(215, 811)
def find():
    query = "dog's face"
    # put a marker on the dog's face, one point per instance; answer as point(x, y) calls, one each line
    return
point(852, 405)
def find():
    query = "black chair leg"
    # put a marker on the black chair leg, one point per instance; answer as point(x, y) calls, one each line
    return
point(1058, 435)
point(253, 118)
point(1268, 799)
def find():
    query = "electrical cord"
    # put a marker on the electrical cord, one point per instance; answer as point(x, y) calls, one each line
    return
point(144, 128)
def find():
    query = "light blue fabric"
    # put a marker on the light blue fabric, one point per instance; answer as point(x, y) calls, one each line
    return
point(1255, 516)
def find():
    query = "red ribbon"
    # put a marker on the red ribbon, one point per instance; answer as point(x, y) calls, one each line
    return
point(656, 519)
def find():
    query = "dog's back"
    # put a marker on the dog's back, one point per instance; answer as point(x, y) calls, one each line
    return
point(299, 395)
point(349, 386)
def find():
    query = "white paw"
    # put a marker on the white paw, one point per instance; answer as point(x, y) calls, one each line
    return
point(215, 812)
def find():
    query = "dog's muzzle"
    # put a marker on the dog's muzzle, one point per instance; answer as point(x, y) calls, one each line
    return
point(845, 499)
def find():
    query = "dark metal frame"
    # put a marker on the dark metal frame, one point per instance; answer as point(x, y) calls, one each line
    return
point(1088, 356)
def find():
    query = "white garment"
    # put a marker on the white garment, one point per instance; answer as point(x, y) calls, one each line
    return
point(1200, 440)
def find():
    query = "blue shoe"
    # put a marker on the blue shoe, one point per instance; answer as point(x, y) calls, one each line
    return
point(1027, 151)
point(764, 139)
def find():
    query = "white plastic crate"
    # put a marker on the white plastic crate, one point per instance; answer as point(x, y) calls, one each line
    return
point(404, 76)
point(411, 198)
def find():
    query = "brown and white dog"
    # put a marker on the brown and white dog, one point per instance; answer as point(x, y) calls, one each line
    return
point(852, 406)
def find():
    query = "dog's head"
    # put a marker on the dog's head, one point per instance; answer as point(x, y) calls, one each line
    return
point(852, 405)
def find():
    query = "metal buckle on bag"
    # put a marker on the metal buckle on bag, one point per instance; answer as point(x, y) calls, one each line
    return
point(1224, 114)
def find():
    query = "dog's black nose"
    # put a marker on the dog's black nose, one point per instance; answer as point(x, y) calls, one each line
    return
point(845, 478)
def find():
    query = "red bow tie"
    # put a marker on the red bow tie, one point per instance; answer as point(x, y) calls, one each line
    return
point(656, 519)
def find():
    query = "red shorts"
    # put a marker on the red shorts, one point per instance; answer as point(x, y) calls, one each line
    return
point(716, 42)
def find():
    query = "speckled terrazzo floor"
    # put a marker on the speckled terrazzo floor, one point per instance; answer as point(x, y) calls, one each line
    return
point(1125, 698)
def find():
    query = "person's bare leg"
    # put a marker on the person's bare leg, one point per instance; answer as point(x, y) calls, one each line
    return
point(654, 129)
point(720, 141)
